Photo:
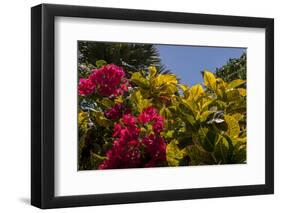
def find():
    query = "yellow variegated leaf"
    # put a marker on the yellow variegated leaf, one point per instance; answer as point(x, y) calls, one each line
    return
point(101, 120)
point(82, 120)
point(235, 83)
point(174, 154)
point(242, 91)
point(140, 102)
point(168, 89)
point(195, 92)
point(233, 95)
point(242, 140)
point(220, 87)
point(118, 100)
point(233, 129)
point(237, 116)
point(184, 87)
point(107, 102)
point(205, 104)
point(138, 79)
point(152, 70)
point(191, 105)
point(165, 112)
point(210, 80)
point(203, 116)
point(165, 79)
point(169, 134)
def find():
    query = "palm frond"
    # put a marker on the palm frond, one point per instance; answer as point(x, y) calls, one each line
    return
point(131, 56)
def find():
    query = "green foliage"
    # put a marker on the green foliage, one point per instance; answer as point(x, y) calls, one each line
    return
point(234, 69)
point(139, 101)
point(93, 145)
point(176, 156)
point(100, 63)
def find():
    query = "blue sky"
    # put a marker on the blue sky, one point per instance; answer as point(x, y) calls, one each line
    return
point(187, 61)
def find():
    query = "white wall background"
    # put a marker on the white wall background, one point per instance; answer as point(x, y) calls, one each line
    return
point(15, 105)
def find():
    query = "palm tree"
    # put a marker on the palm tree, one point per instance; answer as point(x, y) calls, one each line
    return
point(133, 57)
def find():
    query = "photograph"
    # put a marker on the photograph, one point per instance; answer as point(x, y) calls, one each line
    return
point(132, 105)
point(160, 105)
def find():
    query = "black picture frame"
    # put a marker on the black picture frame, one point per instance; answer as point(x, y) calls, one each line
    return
point(43, 111)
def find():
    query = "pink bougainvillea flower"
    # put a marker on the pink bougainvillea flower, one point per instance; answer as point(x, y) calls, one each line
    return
point(116, 130)
point(130, 149)
point(126, 152)
point(150, 115)
point(129, 120)
point(123, 155)
point(156, 149)
point(109, 79)
point(147, 115)
point(158, 125)
point(115, 112)
point(124, 87)
point(85, 86)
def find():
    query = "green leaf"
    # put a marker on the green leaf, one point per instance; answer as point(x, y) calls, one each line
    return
point(96, 160)
point(190, 119)
point(101, 120)
point(189, 111)
point(224, 150)
point(207, 138)
point(169, 134)
point(230, 148)
point(100, 63)
point(221, 104)
point(174, 154)
point(107, 102)
point(165, 112)
point(203, 117)
point(199, 157)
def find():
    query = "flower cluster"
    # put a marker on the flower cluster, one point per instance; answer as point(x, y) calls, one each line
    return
point(150, 115)
point(116, 112)
point(105, 81)
point(85, 87)
point(125, 152)
point(130, 149)
point(156, 149)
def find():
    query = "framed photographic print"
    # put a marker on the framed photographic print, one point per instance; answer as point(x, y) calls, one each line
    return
point(139, 106)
